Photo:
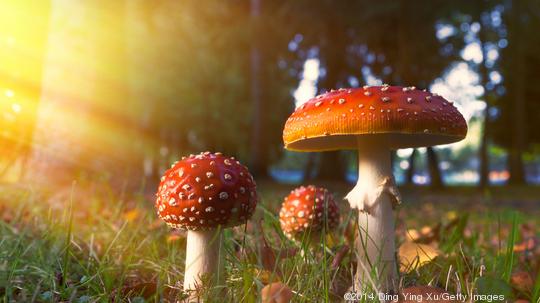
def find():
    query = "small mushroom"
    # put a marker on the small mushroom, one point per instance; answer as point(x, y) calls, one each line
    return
point(306, 212)
point(384, 118)
point(204, 194)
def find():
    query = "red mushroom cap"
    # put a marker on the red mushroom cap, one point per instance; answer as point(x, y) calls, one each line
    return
point(404, 116)
point(204, 191)
point(304, 209)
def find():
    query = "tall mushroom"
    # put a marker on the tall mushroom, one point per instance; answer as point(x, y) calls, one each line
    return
point(374, 120)
point(306, 212)
point(203, 194)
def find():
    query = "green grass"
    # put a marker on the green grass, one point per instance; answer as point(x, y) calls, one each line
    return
point(86, 246)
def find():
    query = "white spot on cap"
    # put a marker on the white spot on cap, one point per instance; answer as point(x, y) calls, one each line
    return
point(223, 195)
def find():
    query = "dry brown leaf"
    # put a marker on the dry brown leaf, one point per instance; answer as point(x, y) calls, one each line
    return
point(131, 215)
point(410, 295)
point(413, 255)
point(451, 215)
point(342, 252)
point(528, 244)
point(266, 276)
point(276, 293)
point(268, 256)
point(412, 235)
point(522, 281)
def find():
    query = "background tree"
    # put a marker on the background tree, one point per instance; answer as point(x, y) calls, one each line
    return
point(516, 127)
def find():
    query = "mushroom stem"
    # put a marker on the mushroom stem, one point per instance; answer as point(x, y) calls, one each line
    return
point(203, 259)
point(375, 196)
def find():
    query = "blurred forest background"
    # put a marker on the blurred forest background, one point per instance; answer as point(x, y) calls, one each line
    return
point(116, 91)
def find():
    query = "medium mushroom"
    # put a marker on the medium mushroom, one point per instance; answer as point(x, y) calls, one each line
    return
point(374, 120)
point(306, 212)
point(203, 194)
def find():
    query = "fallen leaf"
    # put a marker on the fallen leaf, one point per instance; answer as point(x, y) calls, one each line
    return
point(342, 252)
point(412, 235)
point(413, 255)
point(425, 235)
point(131, 215)
point(266, 276)
point(411, 295)
point(522, 281)
point(268, 256)
point(276, 293)
point(528, 244)
point(451, 215)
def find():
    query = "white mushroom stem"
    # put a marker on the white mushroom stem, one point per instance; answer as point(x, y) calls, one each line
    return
point(203, 259)
point(375, 196)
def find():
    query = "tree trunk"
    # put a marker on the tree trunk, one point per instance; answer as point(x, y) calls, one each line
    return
point(484, 144)
point(434, 169)
point(484, 78)
point(410, 171)
point(259, 148)
point(517, 173)
point(331, 166)
point(82, 129)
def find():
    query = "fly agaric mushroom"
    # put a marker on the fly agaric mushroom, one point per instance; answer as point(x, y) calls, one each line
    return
point(308, 210)
point(203, 194)
point(374, 120)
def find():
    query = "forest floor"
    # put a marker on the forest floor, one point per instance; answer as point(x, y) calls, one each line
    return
point(91, 245)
